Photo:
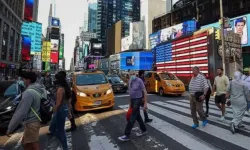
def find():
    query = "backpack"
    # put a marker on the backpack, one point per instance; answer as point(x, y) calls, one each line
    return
point(46, 108)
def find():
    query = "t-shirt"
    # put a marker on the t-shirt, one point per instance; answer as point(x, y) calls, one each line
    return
point(135, 88)
point(221, 83)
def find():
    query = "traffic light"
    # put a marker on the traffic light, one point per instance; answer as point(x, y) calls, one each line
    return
point(217, 34)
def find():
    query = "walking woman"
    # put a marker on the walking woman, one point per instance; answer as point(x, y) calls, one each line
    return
point(239, 95)
point(208, 94)
point(61, 110)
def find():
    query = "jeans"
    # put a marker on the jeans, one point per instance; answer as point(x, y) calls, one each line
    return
point(58, 124)
point(135, 116)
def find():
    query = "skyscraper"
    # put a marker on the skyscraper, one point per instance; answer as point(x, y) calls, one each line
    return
point(35, 10)
point(92, 16)
point(111, 11)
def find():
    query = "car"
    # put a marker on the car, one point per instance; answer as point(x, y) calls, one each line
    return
point(164, 83)
point(91, 90)
point(118, 85)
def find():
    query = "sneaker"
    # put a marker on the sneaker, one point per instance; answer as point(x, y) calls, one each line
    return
point(247, 113)
point(222, 118)
point(71, 129)
point(124, 138)
point(148, 120)
point(232, 127)
point(141, 133)
point(204, 123)
point(194, 126)
point(241, 126)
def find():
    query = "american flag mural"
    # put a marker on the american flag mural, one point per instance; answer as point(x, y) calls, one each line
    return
point(180, 56)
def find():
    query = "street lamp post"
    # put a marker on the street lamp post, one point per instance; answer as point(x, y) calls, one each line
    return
point(222, 36)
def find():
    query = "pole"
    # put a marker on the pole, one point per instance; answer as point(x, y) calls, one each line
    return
point(222, 36)
point(197, 11)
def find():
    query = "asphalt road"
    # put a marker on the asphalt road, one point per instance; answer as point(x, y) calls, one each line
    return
point(170, 129)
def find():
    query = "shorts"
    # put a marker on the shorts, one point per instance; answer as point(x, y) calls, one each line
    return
point(31, 133)
point(220, 99)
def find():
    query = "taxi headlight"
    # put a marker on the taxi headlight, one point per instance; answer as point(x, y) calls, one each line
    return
point(109, 91)
point(81, 94)
point(168, 84)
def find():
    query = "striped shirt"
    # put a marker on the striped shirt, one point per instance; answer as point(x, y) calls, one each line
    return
point(198, 84)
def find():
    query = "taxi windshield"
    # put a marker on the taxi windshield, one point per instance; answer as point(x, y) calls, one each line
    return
point(90, 79)
point(115, 79)
point(168, 76)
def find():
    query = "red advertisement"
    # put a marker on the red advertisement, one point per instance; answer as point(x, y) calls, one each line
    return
point(54, 57)
point(26, 45)
point(28, 10)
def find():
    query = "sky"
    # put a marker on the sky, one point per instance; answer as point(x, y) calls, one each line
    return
point(71, 17)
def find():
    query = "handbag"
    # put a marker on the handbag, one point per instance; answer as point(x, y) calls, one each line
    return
point(129, 113)
point(197, 96)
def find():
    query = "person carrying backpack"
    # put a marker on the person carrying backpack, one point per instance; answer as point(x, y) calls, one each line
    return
point(28, 111)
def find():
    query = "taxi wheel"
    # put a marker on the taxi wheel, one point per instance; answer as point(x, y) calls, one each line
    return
point(161, 92)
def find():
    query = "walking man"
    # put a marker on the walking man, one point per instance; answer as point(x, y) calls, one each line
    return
point(30, 102)
point(220, 87)
point(198, 88)
point(136, 86)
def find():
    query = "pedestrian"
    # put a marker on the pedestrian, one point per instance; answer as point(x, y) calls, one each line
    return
point(47, 81)
point(198, 88)
point(61, 110)
point(72, 104)
point(30, 101)
point(145, 112)
point(239, 95)
point(209, 92)
point(40, 79)
point(136, 86)
point(220, 87)
point(246, 80)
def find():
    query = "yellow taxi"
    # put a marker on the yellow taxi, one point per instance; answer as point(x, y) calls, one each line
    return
point(163, 83)
point(92, 91)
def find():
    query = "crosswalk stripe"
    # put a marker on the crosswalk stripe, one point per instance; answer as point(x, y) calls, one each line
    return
point(237, 139)
point(229, 115)
point(212, 117)
point(184, 138)
point(97, 142)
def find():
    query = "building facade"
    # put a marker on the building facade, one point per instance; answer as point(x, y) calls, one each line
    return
point(111, 11)
point(92, 16)
point(11, 14)
point(148, 12)
point(35, 10)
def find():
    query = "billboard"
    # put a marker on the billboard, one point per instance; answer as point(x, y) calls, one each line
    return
point(86, 36)
point(54, 57)
point(178, 30)
point(154, 39)
point(54, 45)
point(46, 51)
point(34, 31)
point(61, 51)
point(26, 45)
point(239, 25)
point(125, 43)
point(55, 22)
point(28, 10)
point(136, 61)
point(138, 35)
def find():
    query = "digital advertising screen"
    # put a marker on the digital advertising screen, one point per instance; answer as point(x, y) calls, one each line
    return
point(34, 31)
point(61, 50)
point(55, 22)
point(26, 45)
point(28, 10)
point(136, 60)
point(239, 25)
point(54, 45)
point(54, 57)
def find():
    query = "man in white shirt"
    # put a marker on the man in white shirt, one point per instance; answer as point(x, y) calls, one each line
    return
point(246, 79)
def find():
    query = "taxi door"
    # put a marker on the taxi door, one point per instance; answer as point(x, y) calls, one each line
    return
point(148, 77)
point(156, 83)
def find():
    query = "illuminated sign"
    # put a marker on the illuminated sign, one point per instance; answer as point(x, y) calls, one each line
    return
point(55, 22)
point(54, 57)
point(26, 44)
point(54, 45)
point(28, 10)
point(46, 52)
point(34, 31)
